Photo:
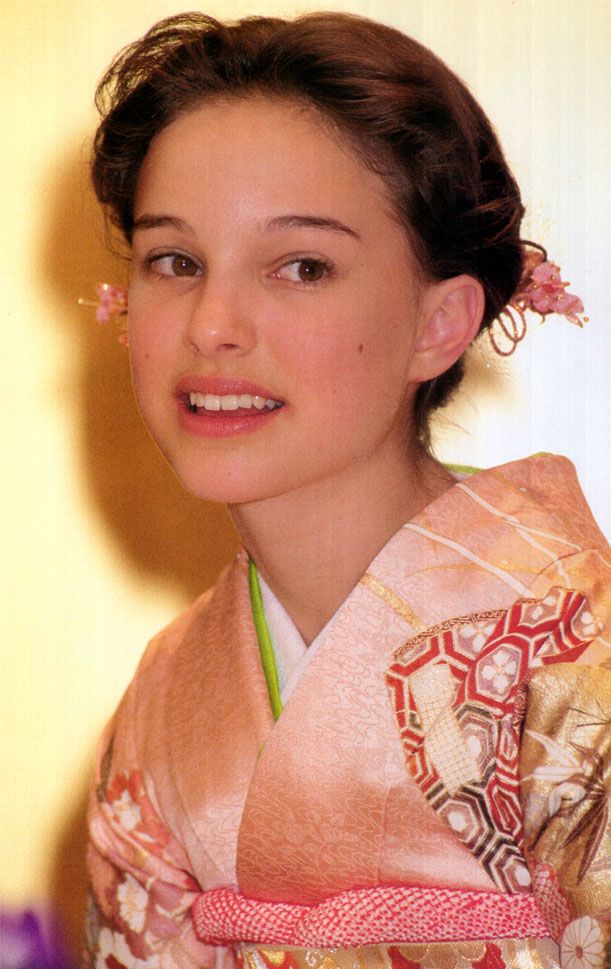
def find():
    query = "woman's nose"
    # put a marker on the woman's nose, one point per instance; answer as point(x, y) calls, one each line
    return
point(219, 322)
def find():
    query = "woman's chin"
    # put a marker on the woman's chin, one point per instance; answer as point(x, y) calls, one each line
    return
point(227, 488)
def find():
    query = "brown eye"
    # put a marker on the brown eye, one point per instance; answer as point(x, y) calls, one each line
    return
point(183, 266)
point(303, 271)
point(173, 264)
point(310, 270)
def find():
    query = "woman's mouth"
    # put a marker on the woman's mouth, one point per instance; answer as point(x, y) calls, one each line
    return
point(229, 403)
point(224, 407)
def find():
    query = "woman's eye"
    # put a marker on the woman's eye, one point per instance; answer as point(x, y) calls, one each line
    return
point(303, 271)
point(174, 264)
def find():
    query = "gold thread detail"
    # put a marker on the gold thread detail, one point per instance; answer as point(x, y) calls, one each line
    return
point(250, 959)
point(442, 627)
point(275, 956)
point(391, 599)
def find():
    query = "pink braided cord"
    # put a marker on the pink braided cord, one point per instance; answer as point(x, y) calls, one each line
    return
point(368, 916)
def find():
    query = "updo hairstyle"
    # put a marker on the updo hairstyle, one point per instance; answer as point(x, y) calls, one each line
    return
point(409, 118)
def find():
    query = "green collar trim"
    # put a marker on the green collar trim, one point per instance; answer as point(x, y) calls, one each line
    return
point(266, 649)
point(462, 468)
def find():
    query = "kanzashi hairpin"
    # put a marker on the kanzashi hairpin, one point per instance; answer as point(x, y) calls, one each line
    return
point(543, 292)
point(111, 301)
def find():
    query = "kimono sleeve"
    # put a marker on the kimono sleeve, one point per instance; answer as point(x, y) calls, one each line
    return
point(139, 913)
point(565, 775)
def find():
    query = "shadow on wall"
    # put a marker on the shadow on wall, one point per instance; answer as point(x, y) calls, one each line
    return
point(156, 528)
point(68, 880)
point(159, 529)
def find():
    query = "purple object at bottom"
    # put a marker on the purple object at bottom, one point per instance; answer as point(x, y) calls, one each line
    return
point(31, 938)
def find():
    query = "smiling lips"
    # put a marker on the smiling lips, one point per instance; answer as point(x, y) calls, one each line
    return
point(213, 403)
point(222, 407)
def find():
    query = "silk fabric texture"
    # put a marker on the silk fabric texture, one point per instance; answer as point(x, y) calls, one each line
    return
point(356, 785)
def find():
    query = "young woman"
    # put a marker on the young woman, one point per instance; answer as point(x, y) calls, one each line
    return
point(321, 221)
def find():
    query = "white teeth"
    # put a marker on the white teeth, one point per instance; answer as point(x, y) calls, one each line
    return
point(217, 402)
point(212, 402)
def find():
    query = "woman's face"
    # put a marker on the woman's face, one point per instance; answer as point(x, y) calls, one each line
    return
point(272, 304)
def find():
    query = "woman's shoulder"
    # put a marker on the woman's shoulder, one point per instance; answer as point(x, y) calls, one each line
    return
point(193, 630)
point(180, 659)
point(537, 520)
point(174, 688)
point(165, 644)
point(539, 492)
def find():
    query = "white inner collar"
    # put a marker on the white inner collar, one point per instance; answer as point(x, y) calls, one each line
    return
point(290, 651)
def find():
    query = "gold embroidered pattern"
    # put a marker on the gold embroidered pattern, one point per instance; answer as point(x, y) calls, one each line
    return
point(434, 689)
point(500, 953)
point(392, 600)
point(462, 744)
point(474, 621)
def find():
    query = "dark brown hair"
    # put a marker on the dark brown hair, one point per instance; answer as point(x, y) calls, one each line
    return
point(409, 117)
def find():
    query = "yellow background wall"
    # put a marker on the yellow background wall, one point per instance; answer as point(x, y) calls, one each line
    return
point(101, 545)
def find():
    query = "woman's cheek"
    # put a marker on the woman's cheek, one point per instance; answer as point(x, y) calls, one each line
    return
point(148, 333)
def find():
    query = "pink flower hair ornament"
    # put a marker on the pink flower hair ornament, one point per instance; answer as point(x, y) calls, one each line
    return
point(542, 291)
point(111, 301)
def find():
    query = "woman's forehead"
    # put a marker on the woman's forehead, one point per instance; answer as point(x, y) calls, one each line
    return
point(259, 152)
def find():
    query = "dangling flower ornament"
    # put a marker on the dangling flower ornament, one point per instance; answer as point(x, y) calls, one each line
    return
point(543, 291)
point(111, 301)
point(546, 293)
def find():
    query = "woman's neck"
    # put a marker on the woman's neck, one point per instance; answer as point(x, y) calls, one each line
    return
point(313, 544)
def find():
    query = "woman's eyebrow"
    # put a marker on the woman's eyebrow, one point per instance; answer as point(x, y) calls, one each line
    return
point(147, 221)
point(310, 221)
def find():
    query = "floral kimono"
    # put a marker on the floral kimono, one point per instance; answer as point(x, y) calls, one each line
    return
point(434, 794)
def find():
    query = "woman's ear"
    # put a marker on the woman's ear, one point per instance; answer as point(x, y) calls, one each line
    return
point(451, 314)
